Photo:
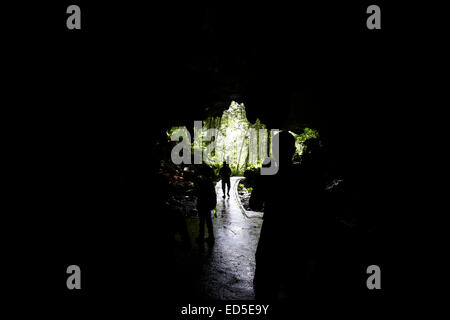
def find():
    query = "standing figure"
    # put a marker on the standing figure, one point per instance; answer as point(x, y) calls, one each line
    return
point(206, 200)
point(225, 173)
point(288, 245)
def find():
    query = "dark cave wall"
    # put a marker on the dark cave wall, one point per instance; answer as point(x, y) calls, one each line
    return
point(95, 119)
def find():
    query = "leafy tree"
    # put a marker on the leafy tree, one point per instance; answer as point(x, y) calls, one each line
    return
point(232, 140)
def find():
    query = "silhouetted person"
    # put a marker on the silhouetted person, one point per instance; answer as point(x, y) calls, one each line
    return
point(206, 200)
point(225, 173)
point(285, 253)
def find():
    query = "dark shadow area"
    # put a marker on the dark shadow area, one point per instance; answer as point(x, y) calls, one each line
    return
point(98, 187)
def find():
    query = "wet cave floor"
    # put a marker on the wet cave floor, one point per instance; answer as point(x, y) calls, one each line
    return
point(222, 270)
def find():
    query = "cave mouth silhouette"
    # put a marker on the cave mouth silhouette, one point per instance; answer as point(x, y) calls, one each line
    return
point(242, 144)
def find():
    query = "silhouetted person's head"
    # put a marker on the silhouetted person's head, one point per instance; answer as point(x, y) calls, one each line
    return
point(286, 147)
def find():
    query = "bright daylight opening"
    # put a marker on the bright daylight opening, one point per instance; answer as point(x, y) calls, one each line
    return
point(233, 136)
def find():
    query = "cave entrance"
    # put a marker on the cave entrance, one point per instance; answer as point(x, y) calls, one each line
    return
point(235, 137)
point(236, 227)
point(242, 144)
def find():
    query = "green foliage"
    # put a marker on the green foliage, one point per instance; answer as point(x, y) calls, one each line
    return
point(171, 130)
point(301, 138)
point(232, 141)
point(256, 165)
